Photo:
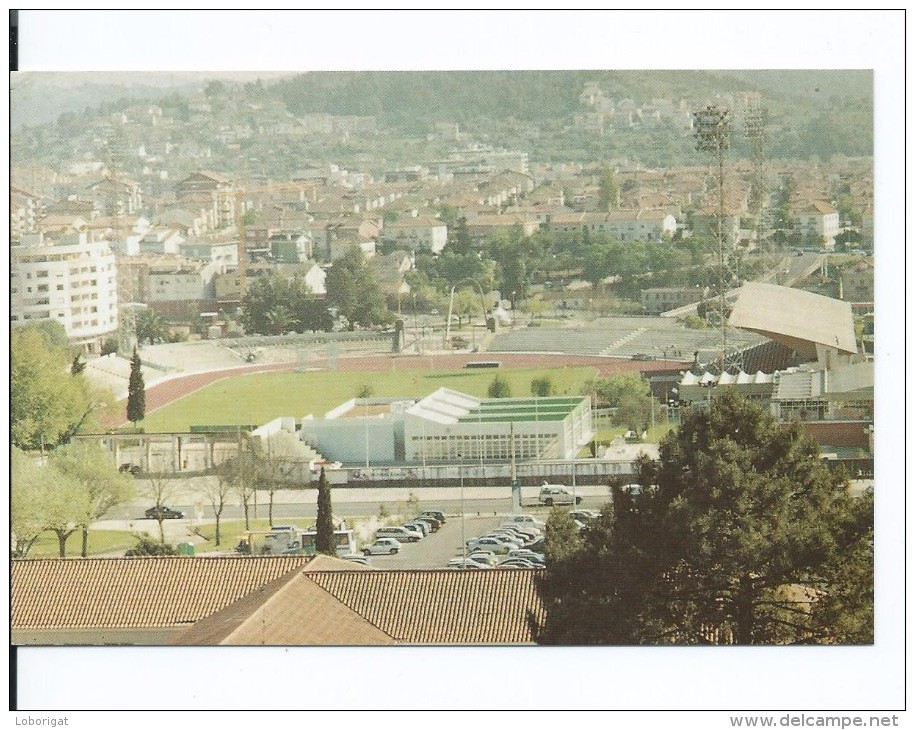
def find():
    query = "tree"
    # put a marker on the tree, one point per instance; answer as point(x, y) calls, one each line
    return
point(28, 492)
point(459, 239)
point(274, 305)
point(64, 505)
point(47, 405)
point(608, 196)
point(136, 391)
point(561, 538)
point(353, 290)
point(542, 387)
point(736, 536)
point(324, 540)
point(150, 327)
point(160, 490)
point(466, 304)
point(499, 388)
point(277, 453)
point(243, 474)
point(101, 485)
point(628, 394)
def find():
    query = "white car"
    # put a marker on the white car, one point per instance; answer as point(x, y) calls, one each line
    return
point(382, 546)
point(552, 494)
point(399, 533)
point(484, 556)
point(492, 544)
point(522, 521)
point(468, 562)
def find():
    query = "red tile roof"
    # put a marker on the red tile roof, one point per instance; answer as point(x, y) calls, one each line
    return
point(373, 607)
point(135, 592)
point(441, 606)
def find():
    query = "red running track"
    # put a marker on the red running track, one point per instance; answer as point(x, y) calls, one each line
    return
point(162, 394)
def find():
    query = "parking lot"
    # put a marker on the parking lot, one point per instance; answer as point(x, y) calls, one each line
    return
point(437, 548)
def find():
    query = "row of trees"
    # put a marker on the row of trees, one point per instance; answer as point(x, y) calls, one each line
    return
point(740, 535)
point(63, 493)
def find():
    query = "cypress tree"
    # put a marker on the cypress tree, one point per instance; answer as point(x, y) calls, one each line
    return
point(136, 391)
point(324, 540)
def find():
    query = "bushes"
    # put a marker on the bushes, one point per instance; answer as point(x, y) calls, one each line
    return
point(147, 546)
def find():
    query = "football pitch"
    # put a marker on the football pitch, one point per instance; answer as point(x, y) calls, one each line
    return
point(255, 399)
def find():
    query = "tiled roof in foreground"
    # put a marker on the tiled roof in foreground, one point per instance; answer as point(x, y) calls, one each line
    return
point(135, 592)
point(379, 607)
point(441, 606)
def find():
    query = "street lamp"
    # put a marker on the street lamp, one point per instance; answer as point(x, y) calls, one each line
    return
point(463, 535)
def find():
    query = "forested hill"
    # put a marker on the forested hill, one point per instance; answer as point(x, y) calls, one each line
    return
point(406, 98)
point(819, 112)
point(412, 97)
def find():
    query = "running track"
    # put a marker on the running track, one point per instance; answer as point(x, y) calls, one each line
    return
point(161, 394)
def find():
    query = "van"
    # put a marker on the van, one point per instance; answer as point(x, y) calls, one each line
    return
point(553, 494)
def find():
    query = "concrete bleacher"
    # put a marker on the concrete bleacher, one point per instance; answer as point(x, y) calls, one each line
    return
point(112, 372)
point(653, 337)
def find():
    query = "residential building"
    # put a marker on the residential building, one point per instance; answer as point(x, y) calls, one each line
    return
point(620, 225)
point(416, 233)
point(818, 221)
point(115, 195)
point(211, 192)
point(71, 280)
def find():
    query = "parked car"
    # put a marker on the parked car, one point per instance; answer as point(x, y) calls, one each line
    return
point(519, 563)
point(419, 525)
point(440, 516)
point(130, 468)
point(508, 537)
point(356, 558)
point(382, 546)
point(493, 544)
point(163, 512)
point(484, 556)
point(522, 521)
point(522, 533)
point(527, 554)
point(584, 515)
point(552, 494)
point(467, 563)
point(399, 533)
point(434, 524)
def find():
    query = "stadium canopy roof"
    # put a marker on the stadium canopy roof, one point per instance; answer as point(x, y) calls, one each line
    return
point(796, 318)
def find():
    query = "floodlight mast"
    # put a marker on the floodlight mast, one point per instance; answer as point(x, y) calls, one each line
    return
point(713, 136)
point(755, 123)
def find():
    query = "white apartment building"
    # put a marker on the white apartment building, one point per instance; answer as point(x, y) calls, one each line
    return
point(415, 233)
point(820, 220)
point(72, 280)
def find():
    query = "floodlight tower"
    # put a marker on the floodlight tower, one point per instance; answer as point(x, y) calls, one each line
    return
point(755, 130)
point(713, 136)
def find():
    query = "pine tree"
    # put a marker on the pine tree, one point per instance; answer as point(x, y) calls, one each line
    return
point(136, 391)
point(324, 540)
point(739, 536)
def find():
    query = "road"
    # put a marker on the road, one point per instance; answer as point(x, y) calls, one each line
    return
point(481, 508)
